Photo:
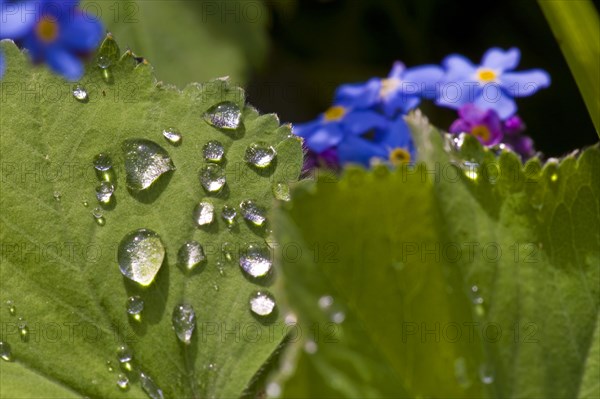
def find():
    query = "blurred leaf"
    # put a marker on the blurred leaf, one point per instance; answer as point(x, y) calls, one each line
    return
point(190, 41)
point(575, 25)
point(60, 267)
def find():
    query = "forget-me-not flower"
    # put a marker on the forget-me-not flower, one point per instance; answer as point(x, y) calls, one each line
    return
point(483, 124)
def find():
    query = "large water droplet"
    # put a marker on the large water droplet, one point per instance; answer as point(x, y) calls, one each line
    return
point(190, 255)
point(172, 135)
point(281, 191)
point(226, 115)
point(124, 354)
point(150, 387)
point(262, 303)
point(470, 170)
point(213, 151)
point(145, 162)
point(229, 214)
point(184, 322)
point(135, 305)
point(252, 212)
point(255, 260)
point(5, 351)
point(104, 192)
point(99, 216)
point(204, 213)
point(212, 177)
point(141, 255)
point(123, 382)
point(80, 94)
point(260, 154)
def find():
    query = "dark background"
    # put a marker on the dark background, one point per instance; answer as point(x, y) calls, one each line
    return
point(317, 45)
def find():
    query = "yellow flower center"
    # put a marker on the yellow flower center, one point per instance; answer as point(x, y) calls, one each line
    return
point(486, 75)
point(398, 156)
point(334, 113)
point(47, 29)
point(482, 132)
point(388, 86)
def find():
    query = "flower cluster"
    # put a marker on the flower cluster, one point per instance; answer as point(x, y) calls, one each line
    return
point(57, 32)
point(366, 122)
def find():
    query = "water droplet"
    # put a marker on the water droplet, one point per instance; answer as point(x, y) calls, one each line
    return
point(281, 191)
point(255, 261)
point(290, 318)
point(56, 196)
point(252, 212)
point(471, 170)
point(325, 302)
point(80, 94)
point(145, 162)
point(109, 366)
point(260, 154)
point(104, 62)
point(104, 192)
point(338, 317)
point(5, 351)
point(228, 250)
point(215, 286)
point(150, 387)
point(99, 216)
point(460, 372)
point(184, 322)
point(12, 310)
point(190, 255)
point(102, 162)
point(135, 305)
point(212, 177)
point(226, 115)
point(141, 255)
point(85, 203)
point(310, 347)
point(213, 151)
point(204, 213)
point(273, 390)
point(124, 354)
point(23, 330)
point(172, 135)
point(123, 382)
point(459, 140)
point(229, 214)
point(486, 374)
point(477, 300)
point(262, 303)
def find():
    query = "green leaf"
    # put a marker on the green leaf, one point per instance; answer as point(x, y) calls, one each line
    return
point(60, 268)
point(575, 25)
point(432, 308)
point(190, 41)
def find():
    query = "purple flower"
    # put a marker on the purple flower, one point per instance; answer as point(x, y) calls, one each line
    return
point(54, 31)
point(483, 124)
point(401, 91)
point(521, 144)
point(491, 85)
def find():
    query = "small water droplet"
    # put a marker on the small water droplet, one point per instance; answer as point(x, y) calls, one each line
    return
point(150, 387)
point(459, 140)
point(273, 390)
point(226, 115)
point(262, 303)
point(338, 317)
point(80, 93)
point(12, 310)
point(460, 372)
point(325, 302)
point(310, 347)
point(56, 196)
point(281, 191)
point(102, 162)
point(23, 330)
point(229, 214)
point(145, 162)
point(252, 212)
point(212, 177)
point(140, 255)
point(228, 250)
point(255, 261)
point(213, 151)
point(135, 305)
point(190, 255)
point(85, 203)
point(260, 154)
point(124, 354)
point(215, 287)
point(123, 382)
point(290, 319)
point(172, 135)
point(204, 213)
point(184, 322)
point(99, 216)
point(104, 192)
point(5, 351)
point(104, 62)
point(471, 170)
point(477, 300)
point(486, 374)
point(109, 366)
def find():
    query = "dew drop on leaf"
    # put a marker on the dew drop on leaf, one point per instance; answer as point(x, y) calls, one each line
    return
point(310, 347)
point(212, 177)
point(124, 354)
point(262, 303)
point(172, 135)
point(5, 351)
point(226, 115)
point(204, 213)
point(486, 374)
point(140, 255)
point(184, 322)
point(213, 151)
point(104, 192)
point(273, 390)
point(102, 162)
point(12, 310)
point(255, 260)
point(150, 387)
point(80, 93)
point(325, 302)
point(145, 162)
point(135, 305)
point(228, 250)
point(122, 382)
point(229, 214)
point(252, 212)
point(281, 191)
point(56, 196)
point(190, 255)
point(23, 330)
point(99, 216)
point(109, 366)
point(260, 154)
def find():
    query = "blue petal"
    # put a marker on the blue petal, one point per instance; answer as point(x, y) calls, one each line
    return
point(357, 150)
point(65, 64)
point(426, 78)
point(358, 95)
point(523, 84)
point(399, 102)
point(324, 137)
point(396, 136)
point(83, 33)
point(359, 122)
point(502, 104)
point(496, 58)
point(306, 129)
point(457, 68)
point(397, 71)
point(458, 93)
point(17, 19)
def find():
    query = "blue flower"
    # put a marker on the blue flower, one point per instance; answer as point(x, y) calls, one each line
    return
point(490, 85)
point(401, 91)
point(54, 31)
